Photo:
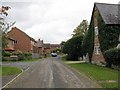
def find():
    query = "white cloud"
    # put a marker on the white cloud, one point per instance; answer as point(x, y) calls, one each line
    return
point(50, 20)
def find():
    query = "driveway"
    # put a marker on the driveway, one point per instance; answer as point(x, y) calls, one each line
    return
point(52, 73)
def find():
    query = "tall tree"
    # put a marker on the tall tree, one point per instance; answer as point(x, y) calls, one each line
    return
point(81, 29)
point(4, 26)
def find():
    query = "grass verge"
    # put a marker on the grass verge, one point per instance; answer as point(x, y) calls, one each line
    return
point(98, 73)
point(0, 70)
point(8, 70)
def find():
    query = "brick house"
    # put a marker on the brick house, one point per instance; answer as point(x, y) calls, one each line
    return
point(109, 15)
point(10, 45)
point(46, 48)
point(23, 42)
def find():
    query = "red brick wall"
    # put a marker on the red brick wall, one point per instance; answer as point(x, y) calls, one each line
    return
point(23, 41)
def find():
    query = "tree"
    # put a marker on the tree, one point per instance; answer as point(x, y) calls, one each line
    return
point(73, 48)
point(81, 29)
point(4, 26)
point(62, 43)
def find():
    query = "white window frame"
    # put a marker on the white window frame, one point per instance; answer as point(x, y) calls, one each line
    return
point(96, 30)
point(97, 50)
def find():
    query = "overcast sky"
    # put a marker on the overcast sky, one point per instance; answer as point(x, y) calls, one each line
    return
point(50, 20)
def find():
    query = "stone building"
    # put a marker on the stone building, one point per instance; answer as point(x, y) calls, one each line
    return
point(109, 15)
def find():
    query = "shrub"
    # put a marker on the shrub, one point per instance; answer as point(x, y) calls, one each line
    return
point(6, 54)
point(28, 55)
point(71, 57)
point(24, 55)
point(112, 57)
point(73, 48)
point(20, 55)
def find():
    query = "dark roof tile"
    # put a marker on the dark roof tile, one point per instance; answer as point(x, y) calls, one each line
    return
point(109, 12)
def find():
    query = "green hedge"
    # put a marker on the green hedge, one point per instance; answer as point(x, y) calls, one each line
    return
point(112, 56)
point(6, 53)
point(73, 48)
point(24, 56)
point(28, 55)
point(72, 57)
point(21, 55)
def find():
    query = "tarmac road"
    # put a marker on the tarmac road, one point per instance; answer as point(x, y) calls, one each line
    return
point(52, 73)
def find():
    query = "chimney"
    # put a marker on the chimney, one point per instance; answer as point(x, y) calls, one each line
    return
point(42, 41)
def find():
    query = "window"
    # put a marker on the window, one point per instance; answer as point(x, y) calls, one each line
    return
point(15, 41)
point(97, 50)
point(96, 30)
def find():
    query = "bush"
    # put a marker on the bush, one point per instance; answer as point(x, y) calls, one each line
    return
point(24, 55)
point(73, 48)
point(20, 55)
point(112, 57)
point(27, 55)
point(71, 57)
point(6, 54)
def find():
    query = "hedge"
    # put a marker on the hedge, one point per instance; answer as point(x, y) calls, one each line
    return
point(24, 56)
point(73, 48)
point(6, 53)
point(21, 55)
point(112, 57)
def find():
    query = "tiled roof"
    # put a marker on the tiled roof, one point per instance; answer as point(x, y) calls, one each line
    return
point(9, 49)
point(54, 45)
point(109, 12)
point(24, 33)
point(46, 45)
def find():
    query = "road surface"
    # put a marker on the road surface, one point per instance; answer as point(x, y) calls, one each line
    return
point(52, 73)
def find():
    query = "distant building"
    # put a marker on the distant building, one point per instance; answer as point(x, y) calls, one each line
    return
point(46, 47)
point(55, 46)
point(109, 15)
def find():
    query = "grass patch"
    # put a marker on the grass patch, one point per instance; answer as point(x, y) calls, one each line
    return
point(98, 73)
point(64, 58)
point(0, 71)
point(8, 70)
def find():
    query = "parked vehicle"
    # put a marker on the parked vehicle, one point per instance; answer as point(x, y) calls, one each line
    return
point(53, 54)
